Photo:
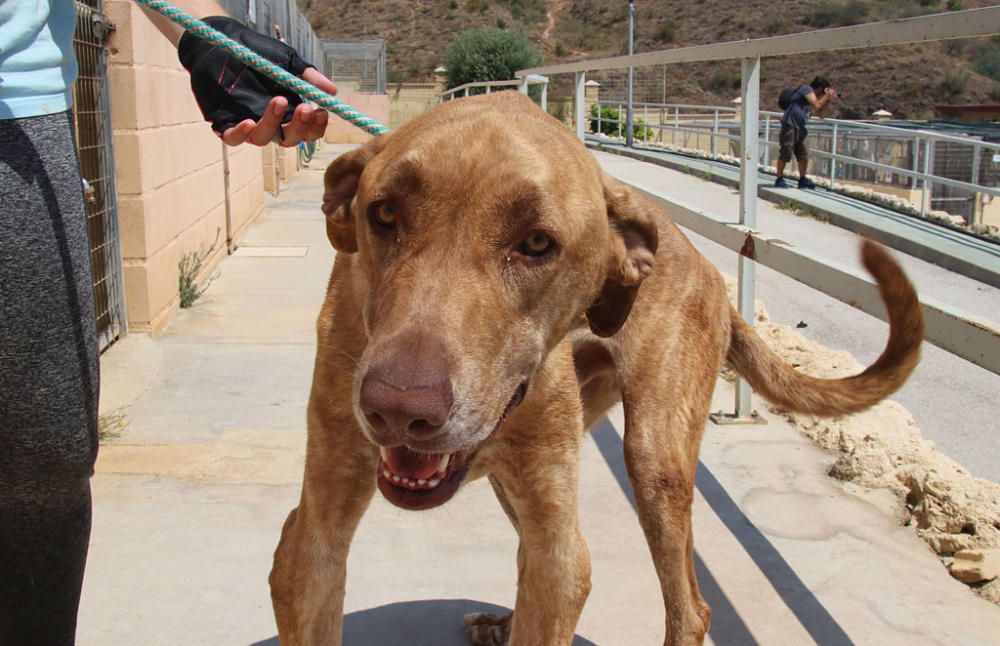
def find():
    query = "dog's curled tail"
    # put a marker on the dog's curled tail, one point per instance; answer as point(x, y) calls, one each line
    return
point(750, 356)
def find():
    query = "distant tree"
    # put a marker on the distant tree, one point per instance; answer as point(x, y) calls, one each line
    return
point(488, 55)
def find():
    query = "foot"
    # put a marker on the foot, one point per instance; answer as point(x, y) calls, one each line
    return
point(805, 182)
point(780, 183)
point(484, 629)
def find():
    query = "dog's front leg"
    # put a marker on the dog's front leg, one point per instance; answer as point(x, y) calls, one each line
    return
point(540, 488)
point(307, 580)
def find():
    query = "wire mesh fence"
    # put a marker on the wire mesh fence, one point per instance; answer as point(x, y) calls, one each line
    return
point(94, 145)
point(279, 19)
point(356, 65)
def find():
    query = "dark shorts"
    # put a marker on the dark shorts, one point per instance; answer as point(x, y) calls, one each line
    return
point(792, 140)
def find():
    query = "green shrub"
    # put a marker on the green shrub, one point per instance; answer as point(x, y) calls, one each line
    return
point(476, 6)
point(667, 31)
point(954, 83)
point(836, 14)
point(488, 55)
point(987, 62)
point(608, 124)
point(724, 80)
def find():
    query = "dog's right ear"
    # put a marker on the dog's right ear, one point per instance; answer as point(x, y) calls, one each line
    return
point(340, 185)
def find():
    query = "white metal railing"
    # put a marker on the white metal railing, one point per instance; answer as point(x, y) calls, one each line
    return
point(718, 123)
point(976, 340)
point(522, 84)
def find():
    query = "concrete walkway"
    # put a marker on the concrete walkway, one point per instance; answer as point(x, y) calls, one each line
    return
point(190, 498)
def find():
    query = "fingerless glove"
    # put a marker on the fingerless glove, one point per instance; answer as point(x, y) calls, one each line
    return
point(228, 91)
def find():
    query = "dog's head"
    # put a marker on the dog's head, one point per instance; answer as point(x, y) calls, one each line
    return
point(484, 233)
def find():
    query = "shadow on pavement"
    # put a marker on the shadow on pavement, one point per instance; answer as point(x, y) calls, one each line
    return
point(727, 625)
point(433, 622)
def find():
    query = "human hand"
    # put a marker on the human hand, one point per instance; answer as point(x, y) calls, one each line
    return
point(307, 123)
point(245, 106)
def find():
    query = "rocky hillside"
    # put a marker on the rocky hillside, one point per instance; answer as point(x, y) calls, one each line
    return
point(907, 80)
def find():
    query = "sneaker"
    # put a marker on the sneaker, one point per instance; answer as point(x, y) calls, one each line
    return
point(805, 182)
point(780, 183)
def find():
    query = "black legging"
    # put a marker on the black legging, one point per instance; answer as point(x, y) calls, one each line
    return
point(48, 382)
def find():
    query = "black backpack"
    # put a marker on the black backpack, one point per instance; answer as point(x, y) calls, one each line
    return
point(786, 97)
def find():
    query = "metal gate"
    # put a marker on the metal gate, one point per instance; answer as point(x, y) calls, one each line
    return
point(94, 143)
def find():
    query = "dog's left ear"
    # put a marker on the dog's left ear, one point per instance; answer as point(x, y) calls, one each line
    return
point(633, 241)
point(340, 185)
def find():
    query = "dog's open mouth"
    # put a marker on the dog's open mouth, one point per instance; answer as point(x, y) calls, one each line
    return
point(416, 480)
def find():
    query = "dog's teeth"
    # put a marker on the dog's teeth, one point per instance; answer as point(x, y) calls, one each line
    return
point(443, 463)
point(421, 482)
point(386, 473)
point(395, 478)
point(433, 482)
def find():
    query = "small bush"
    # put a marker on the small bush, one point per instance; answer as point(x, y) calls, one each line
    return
point(609, 124)
point(955, 5)
point(724, 81)
point(453, 4)
point(987, 62)
point(476, 6)
point(837, 14)
point(954, 83)
point(667, 31)
point(774, 26)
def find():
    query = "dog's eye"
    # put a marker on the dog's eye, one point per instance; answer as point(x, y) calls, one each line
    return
point(383, 215)
point(537, 244)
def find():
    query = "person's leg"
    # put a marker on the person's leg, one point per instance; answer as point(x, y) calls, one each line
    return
point(802, 157)
point(48, 382)
point(786, 143)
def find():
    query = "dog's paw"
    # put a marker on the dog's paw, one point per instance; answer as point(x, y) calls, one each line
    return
point(485, 629)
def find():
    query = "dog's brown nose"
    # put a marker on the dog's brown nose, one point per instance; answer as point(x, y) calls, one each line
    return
point(410, 394)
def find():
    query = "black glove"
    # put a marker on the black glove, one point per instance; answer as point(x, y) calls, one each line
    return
point(228, 91)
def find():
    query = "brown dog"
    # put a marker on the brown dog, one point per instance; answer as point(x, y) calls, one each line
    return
point(484, 310)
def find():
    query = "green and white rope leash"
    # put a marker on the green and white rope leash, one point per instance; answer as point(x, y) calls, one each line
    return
point(249, 58)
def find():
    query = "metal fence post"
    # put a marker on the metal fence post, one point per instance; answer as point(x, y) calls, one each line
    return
point(600, 125)
point(925, 197)
point(677, 124)
point(749, 146)
point(833, 156)
point(629, 113)
point(620, 124)
point(767, 141)
point(578, 103)
point(715, 128)
point(522, 85)
point(545, 95)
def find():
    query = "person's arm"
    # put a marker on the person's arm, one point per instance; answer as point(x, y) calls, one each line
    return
point(820, 105)
point(307, 124)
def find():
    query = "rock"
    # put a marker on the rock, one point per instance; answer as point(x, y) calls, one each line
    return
point(976, 566)
point(991, 591)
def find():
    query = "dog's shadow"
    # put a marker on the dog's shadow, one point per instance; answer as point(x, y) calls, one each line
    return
point(433, 622)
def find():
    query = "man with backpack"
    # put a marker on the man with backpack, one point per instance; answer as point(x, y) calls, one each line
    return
point(799, 104)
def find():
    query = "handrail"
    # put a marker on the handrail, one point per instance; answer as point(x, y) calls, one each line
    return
point(532, 80)
point(709, 130)
point(956, 24)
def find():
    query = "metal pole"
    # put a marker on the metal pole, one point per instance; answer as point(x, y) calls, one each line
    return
point(715, 128)
point(749, 147)
point(522, 86)
point(545, 95)
point(925, 197)
point(578, 107)
point(767, 141)
point(620, 110)
point(600, 126)
point(677, 124)
point(833, 156)
point(629, 117)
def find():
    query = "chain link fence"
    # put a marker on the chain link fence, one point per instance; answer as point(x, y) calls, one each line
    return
point(357, 65)
point(279, 19)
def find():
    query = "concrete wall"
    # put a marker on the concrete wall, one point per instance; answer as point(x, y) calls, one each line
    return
point(407, 100)
point(375, 106)
point(170, 171)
